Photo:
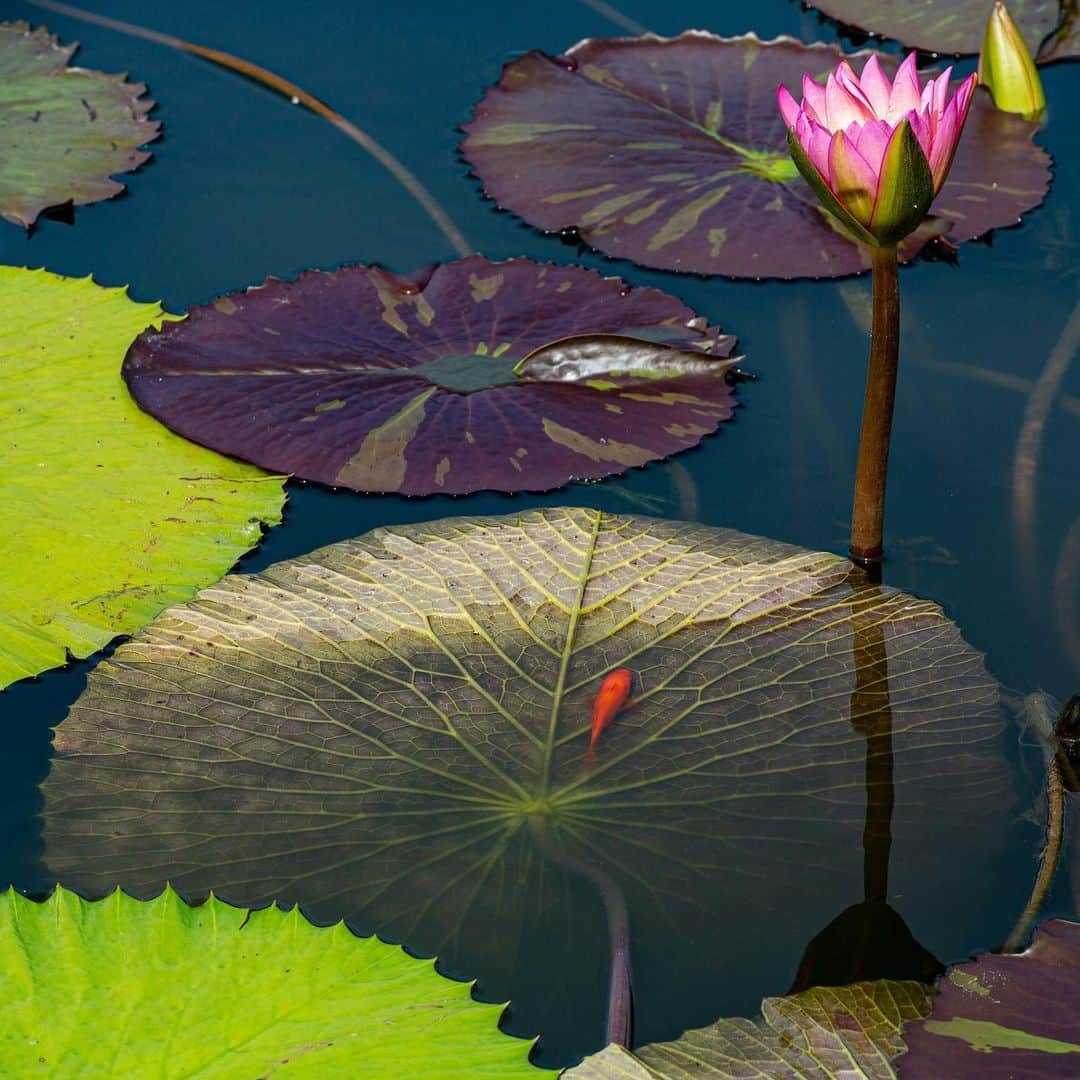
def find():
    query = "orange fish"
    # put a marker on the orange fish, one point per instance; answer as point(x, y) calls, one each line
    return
point(610, 699)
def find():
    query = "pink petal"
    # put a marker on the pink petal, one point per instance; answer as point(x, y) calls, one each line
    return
point(849, 81)
point(920, 124)
point(851, 179)
point(872, 141)
point(963, 96)
point(941, 153)
point(941, 90)
point(905, 92)
point(813, 96)
point(789, 107)
point(814, 139)
point(876, 87)
point(843, 108)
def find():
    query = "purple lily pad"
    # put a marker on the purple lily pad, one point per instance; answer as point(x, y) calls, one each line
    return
point(474, 375)
point(672, 152)
point(1005, 1016)
point(946, 26)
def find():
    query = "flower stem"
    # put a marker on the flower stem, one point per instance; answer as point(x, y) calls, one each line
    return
point(868, 512)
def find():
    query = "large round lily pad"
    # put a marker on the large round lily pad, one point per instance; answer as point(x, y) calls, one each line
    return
point(109, 517)
point(827, 1033)
point(64, 131)
point(1004, 1017)
point(511, 376)
point(671, 152)
point(379, 729)
point(947, 26)
point(123, 988)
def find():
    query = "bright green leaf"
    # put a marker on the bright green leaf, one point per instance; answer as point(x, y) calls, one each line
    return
point(109, 516)
point(828, 1033)
point(127, 988)
point(63, 130)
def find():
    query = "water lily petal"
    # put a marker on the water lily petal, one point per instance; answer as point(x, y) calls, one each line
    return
point(814, 139)
point(905, 91)
point(941, 153)
point(789, 107)
point(941, 91)
point(871, 142)
point(813, 98)
point(842, 106)
point(851, 179)
point(920, 124)
point(876, 87)
point(850, 82)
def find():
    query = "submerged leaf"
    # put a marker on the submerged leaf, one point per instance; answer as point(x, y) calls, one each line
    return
point(64, 131)
point(380, 729)
point(1012, 1017)
point(842, 1033)
point(509, 376)
point(671, 152)
point(110, 517)
point(126, 988)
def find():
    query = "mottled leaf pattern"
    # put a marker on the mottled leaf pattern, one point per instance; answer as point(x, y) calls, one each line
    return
point(1004, 1017)
point(510, 376)
point(827, 1033)
point(64, 131)
point(672, 152)
point(376, 729)
point(942, 26)
point(122, 988)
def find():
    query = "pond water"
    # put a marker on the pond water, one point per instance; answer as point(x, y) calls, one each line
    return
point(243, 185)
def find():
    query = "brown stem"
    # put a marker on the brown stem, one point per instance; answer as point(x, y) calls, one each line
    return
point(1055, 828)
point(868, 512)
point(620, 1001)
point(296, 94)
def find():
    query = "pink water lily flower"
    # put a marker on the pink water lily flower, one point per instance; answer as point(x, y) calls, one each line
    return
point(881, 150)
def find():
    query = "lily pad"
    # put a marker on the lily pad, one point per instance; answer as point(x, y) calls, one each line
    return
point(945, 26)
point(126, 988)
point(393, 729)
point(840, 1033)
point(64, 131)
point(508, 376)
point(1004, 1016)
point(109, 516)
point(671, 152)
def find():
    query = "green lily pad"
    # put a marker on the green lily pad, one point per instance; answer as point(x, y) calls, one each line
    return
point(841, 1033)
point(125, 988)
point(1004, 1017)
point(393, 730)
point(109, 516)
point(64, 131)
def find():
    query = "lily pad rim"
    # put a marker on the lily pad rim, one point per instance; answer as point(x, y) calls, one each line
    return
point(571, 233)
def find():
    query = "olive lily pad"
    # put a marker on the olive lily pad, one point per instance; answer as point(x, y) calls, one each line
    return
point(949, 26)
point(64, 131)
point(671, 152)
point(1004, 1016)
point(128, 988)
point(109, 516)
point(841, 1033)
point(509, 376)
point(383, 729)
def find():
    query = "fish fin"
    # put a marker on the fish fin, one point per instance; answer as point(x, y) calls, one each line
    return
point(590, 757)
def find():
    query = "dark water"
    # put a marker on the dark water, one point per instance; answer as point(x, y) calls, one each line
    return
point(243, 185)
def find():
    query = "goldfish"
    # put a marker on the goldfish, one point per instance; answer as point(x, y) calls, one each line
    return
point(610, 700)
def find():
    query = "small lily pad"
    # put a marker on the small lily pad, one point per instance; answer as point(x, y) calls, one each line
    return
point(839, 1033)
point(508, 376)
point(671, 152)
point(156, 988)
point(64, 131)
point(109, 516)
point(951, 26)
point(1004, 1017)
